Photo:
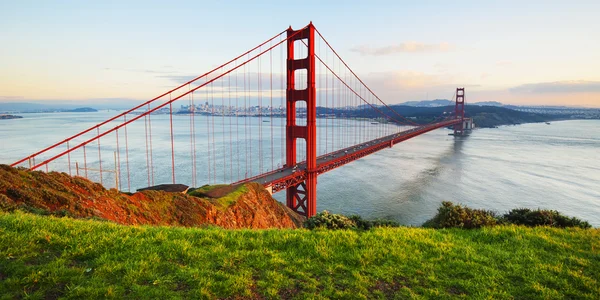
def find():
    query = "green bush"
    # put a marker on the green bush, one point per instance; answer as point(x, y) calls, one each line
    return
point(366, 224)
point(541, 217)
point(385, 223)
point(456, 216)
point(360, 223)
point(328, 220)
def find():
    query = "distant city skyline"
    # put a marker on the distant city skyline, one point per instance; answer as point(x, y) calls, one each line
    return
point(514, 52)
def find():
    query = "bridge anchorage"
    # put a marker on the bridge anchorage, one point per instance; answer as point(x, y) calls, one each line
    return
point(280, 114)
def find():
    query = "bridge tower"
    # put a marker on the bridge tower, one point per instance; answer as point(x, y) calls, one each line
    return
point(459, 111)
point(302, 197)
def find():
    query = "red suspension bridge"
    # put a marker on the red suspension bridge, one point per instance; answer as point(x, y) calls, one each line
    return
point(280, 114)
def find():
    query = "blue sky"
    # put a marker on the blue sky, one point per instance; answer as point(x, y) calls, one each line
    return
point(520, 52)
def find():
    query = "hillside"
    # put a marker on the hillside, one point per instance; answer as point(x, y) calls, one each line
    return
point(245, 206)
point(48, 257)
point(484, 116)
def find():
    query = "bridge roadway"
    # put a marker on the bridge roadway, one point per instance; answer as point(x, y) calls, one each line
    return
point(279, 179)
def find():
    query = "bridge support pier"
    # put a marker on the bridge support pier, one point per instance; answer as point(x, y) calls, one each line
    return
point(302, 198)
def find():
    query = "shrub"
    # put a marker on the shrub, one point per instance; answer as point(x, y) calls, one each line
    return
point(361, 223)
point(327, 220)
point(366, 224)
point(541, 217)
point(450, 215)
point(7, 204)
point(384, 223)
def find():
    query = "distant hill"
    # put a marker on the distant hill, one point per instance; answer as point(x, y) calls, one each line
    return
point(65, 105)
point(428, 103)
point(30, 107)
point(487, 103)
point(8, 117)
point(82, 109)
point(484, 116)
point(25, 107)
point(446, 102)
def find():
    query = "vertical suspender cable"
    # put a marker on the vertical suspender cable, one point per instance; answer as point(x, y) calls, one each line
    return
point(212, 117)
point(260, 141)
point(172, 140)
point(230, 115)
point(271, 106)
point(127, 155)
point(147, 149)
point(85, 168)
point(207, 108)
point(245, 123)
point(118, 162)
point(151, 154)
point(69, 159)
point(99, 154)
point(237, 123)
point(223, 129)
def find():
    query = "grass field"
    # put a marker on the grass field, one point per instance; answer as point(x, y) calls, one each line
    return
point(48, 257)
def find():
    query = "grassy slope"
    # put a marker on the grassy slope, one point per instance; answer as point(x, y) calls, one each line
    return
point(50, 257)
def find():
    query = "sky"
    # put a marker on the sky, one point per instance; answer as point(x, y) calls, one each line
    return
point(514, 52)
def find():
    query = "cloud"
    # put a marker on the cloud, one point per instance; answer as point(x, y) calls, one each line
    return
point(503, 63)
point(147, 71)
point(180, 79)
point(573, 86)
point(236, 81)
point(407, 80)
point(405, 85)
point(443, 67)
point(11, 97)
point(407, 47)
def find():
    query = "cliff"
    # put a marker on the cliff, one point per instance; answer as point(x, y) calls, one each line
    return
point(245, 206)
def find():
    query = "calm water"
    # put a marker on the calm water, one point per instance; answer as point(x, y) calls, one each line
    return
point(532, 165)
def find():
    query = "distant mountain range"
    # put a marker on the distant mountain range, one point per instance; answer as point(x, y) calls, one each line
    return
point(446, 102)
point(25, 107)
point(58, 105)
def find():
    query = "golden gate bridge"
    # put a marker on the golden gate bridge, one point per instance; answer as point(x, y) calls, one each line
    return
point(323, 100)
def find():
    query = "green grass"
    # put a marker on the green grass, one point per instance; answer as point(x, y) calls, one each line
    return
point(205, 188)
point(49, 257)
point(222, 202)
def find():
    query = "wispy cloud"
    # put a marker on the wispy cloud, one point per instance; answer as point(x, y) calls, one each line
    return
point(251, 80)
point(405, 85)
point(503, 63)
point(11, 97)
point(178, 78)
point(147, 71)
point(406, 47)
point(573, 86)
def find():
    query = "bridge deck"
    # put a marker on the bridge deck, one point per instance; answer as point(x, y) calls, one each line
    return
point(280, 179)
